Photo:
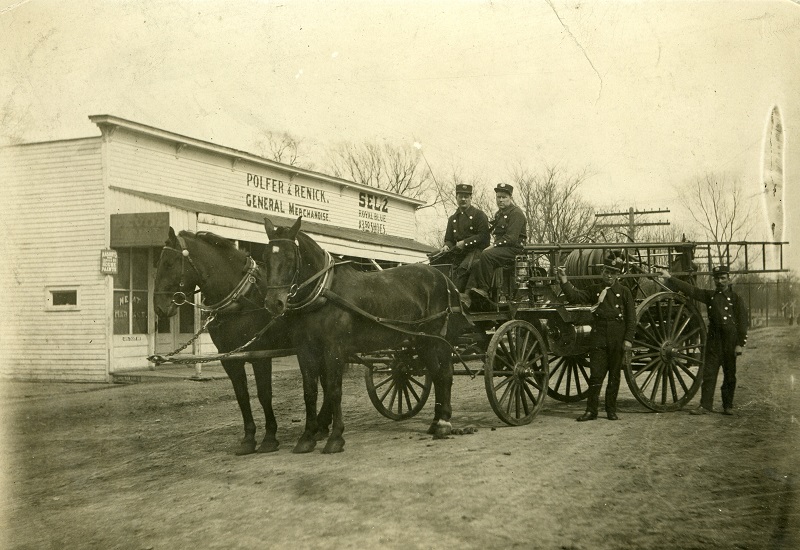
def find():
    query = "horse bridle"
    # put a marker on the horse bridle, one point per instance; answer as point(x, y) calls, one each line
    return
point(293, 287)
point(179, 298)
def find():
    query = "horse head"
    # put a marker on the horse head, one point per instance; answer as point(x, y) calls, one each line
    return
point(282, 265)
point(684, 262)
point(176, 276)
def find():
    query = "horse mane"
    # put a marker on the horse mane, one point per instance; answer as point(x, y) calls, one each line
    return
point(212, 239)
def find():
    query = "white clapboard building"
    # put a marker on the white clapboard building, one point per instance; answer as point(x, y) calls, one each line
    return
point(86, 219)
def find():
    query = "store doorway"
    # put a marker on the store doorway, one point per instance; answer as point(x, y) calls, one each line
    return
point(173, 332)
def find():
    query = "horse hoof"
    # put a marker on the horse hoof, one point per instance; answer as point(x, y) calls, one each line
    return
point(320, 435)
point(268, 446)
point(333, 446)
point(304, 446)
point(245, 448)
point(443, 429)
point(432, 428)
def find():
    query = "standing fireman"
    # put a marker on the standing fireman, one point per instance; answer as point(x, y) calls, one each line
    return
point(613, 326)
point(509, 231)
point(727, 335)
point(466, 235)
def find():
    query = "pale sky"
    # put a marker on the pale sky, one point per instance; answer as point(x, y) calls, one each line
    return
point(645, 95)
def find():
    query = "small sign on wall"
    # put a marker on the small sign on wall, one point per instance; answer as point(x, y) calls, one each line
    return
point(109, 262)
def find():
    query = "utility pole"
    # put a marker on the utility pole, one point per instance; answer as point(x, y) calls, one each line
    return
point(632, 224)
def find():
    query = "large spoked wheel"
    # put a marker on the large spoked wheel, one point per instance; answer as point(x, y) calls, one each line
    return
point(665, 370)
point(516, 372)
point(569, 377)
point(397, 383)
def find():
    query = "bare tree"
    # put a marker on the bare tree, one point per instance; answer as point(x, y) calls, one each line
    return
point(384, 166)
point(718, 204)
point(280, 147)
point(555, 210)
point(671, 233)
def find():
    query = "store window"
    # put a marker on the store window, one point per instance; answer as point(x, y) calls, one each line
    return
point(62, 299)
point(130, 292)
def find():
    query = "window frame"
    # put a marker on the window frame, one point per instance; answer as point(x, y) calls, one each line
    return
point(49, 292)
point(130, 291)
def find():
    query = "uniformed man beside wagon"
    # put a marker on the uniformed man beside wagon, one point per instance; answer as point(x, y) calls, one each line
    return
point(466, 235)
point(509, 233)
point(613, 327)
point(727, 335)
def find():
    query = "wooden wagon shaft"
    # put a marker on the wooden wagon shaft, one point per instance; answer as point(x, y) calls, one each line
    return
point(241, 355)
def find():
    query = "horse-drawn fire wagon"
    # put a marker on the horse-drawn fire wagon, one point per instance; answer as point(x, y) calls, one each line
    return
point(534, 342)
point(407, 326)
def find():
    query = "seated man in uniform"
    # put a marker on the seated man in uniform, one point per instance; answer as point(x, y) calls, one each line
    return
point(466, 235)
point(509, 233)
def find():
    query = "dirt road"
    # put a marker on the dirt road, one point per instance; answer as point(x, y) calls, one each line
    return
point(150, 465)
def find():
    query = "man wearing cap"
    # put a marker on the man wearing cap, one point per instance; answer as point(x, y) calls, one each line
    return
point(466, 235)
point(727, 335)
point(613, 326)
point(509, 232)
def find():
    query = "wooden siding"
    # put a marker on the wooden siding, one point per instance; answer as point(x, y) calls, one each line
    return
point(56, 230)
point(145, 164)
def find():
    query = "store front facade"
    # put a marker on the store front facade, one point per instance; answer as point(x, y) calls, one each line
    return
point(94, 213)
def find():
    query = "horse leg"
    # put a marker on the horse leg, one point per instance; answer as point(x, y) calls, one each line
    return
point(309, 369)
point(238, 377)
point(262, 368)
point(325, 416)
point(440, 366)
point(333, 394)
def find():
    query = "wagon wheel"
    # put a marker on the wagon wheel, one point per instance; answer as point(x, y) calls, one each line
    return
point(398, 384)
point(668, 352)
point(569, 377)
point(516, 372)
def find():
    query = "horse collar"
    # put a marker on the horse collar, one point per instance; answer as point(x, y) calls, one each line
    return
point(231, 301)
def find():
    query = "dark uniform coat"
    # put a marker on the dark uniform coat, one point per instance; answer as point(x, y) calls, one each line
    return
point(509, 233)
point(613, 322)
point(727, 328)
point(509, 228)
point(618, 309)
point(472, 226)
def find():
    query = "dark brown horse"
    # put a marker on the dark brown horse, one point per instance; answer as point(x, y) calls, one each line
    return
point(337, 311)
point(229, 280)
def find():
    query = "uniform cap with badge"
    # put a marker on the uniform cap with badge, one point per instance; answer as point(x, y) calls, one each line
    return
point(611, 263)
point(720, 271)
point(463, 189)
point(504, 188)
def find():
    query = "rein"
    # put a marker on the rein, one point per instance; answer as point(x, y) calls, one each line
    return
point(322, 293)
point(167, 357)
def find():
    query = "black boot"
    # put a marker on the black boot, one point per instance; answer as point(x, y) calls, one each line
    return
point(591, 404)
point(611, 406)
